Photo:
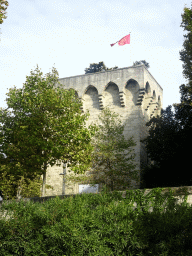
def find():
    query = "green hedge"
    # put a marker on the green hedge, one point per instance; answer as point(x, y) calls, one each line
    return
point(98, 224)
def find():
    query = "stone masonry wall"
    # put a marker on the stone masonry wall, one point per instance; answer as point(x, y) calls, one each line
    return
point(131, 92)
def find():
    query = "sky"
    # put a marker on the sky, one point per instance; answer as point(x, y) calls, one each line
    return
point(71, 34)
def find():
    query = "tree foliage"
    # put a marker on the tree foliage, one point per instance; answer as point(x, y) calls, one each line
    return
point(45, 124)
point(168, 147)
point(3, 8)
point(186, 53)
point(141, 62)
point(113, 156)
point(170, 136)
point(160, 142)
point(98, 67)
point(14, 188)
point(183, 110)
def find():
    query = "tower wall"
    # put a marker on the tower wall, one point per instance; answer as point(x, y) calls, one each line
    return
point(130, 92)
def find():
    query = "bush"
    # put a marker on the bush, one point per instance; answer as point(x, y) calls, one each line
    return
point(9, 185)
point(93, 224)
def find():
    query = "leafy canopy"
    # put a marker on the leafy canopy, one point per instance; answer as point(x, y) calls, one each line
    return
point(141, 62)
point(43, 123)
point(98, 67)
point(3, 8)
point(170, 135)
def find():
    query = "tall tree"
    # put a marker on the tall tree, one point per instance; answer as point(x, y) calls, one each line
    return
point(3, 8)
point(45, 124)
point(169, 142)
point(166, 147)
point(166, 127)
point(98, 67)
point(183, 110)
point(141, 62)
point(112, 158)
point(186, 53)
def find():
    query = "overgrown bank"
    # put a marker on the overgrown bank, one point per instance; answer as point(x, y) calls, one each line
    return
point(95, 224)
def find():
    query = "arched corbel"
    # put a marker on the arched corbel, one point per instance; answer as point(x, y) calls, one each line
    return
point(122, 100)
point(140, 96)
point(101, 101)
point(155, 107)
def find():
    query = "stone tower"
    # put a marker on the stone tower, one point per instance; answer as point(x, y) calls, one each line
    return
point(131, 92)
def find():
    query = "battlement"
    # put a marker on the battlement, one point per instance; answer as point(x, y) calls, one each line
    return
point(121, 77)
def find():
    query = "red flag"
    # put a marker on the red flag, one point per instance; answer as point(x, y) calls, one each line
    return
point(123, 41)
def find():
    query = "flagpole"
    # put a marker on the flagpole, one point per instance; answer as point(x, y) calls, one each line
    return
point(123, 37)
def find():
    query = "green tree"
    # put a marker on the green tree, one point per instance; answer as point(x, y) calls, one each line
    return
point(166, 127)
point(167, 148)
point(98, 67)
point(3, 8)
point(183, 110)
point(171, 135)
point(111, 164)
point(141, 62)
point(186, 53)
point(45, 124)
